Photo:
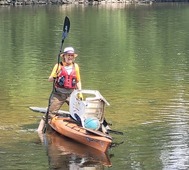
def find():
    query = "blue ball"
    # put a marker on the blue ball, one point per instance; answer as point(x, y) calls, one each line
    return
point(92, 123)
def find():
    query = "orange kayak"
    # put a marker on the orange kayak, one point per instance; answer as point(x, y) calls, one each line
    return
point(67, 127)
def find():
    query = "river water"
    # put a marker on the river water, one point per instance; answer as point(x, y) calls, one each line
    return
point(136, 56)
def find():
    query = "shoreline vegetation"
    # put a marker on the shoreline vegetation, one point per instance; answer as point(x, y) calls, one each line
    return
point(90, 2)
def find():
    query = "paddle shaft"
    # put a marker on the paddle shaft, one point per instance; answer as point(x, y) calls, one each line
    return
point(98, 133)
point(115, 132)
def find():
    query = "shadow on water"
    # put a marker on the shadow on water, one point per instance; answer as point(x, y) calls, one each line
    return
point(64, 153)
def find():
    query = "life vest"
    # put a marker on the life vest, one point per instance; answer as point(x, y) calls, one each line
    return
point(66, 80)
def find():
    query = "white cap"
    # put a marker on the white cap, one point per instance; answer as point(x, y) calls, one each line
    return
point(70, 50)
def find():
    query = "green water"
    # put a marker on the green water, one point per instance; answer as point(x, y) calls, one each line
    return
point(136, 56)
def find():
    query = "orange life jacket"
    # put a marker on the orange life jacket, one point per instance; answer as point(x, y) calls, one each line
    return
point(65, 80)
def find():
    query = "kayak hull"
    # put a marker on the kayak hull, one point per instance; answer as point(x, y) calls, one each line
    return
point(68, 128)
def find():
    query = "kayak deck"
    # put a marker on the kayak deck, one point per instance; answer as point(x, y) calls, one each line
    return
point(69, 128)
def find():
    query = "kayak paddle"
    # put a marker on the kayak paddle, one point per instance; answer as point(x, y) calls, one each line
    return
point(66, 28)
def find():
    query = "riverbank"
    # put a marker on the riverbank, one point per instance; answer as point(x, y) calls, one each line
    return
point(60, 2)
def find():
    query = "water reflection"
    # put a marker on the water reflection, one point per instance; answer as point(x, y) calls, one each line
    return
point(175, 152)
point(64, 153)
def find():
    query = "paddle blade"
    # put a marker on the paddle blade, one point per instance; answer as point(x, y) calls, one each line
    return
point(66, 28)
